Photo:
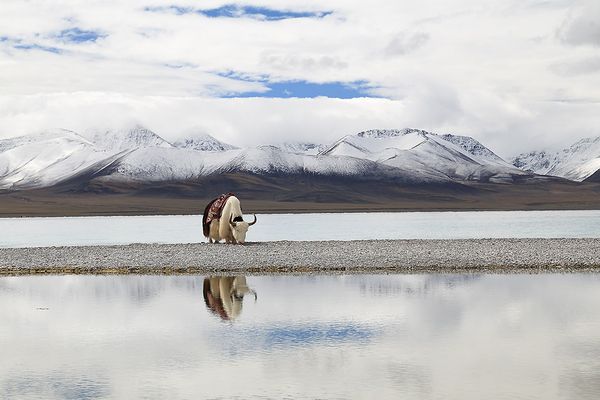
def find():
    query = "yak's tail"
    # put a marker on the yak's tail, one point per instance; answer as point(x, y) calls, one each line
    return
point(205, 225)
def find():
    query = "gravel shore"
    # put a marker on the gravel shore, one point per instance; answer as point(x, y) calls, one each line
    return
point(402, 256)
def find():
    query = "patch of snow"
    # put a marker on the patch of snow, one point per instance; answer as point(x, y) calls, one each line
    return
point(203, 142)
point(301, 148)
point(474, 148)
point(372, 142)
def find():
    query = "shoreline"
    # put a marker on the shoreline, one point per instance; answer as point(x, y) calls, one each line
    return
point(261, 194)
point(327, 257)
point(303, 211)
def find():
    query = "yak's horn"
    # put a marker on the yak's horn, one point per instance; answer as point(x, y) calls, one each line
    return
point(253, 222)
point(231, 221)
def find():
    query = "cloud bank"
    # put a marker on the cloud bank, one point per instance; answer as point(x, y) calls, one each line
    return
point(513, 74)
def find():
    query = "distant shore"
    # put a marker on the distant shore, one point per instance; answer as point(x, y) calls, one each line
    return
point(290, 194)
point(22, 207)
point(365, 256)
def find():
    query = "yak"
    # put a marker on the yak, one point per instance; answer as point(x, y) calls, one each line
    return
point(223, 220)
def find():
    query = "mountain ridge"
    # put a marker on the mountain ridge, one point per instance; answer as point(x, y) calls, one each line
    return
point(409, 155)
point(576, 162)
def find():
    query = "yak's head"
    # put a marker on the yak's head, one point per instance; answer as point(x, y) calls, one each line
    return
point(240, 228)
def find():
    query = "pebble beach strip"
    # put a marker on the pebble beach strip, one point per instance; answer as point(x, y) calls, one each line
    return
point(365, 256)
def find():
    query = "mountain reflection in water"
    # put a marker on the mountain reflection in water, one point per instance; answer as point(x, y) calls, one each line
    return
point(329, 337)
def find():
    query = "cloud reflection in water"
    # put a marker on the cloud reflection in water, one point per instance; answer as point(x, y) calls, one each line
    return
point(381, 336)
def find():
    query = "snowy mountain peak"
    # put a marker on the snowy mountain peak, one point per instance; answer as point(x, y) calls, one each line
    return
point(472, 146)
point(366, 144)
point(203, 142)
point(532, 161)
point(301, 147)
point(126, 139)
point(386, 133)
point(576, 162)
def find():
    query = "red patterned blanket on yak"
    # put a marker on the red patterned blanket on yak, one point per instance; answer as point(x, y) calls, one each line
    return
point(213, 211)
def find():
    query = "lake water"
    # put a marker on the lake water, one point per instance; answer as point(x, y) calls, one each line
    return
point(304, 337)
point(25, 232)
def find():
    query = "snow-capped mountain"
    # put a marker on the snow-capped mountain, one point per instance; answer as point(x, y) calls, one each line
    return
point(49, 157)
point(455, 157)
point(410, 155)
point(160, 164)
point(126, 139)
point(138, 154)
point(577, 162)
point(203, 142)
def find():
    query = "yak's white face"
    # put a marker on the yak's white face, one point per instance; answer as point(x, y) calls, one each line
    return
point(239, 231)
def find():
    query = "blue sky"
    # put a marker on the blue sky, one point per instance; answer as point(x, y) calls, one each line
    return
point(77, 35)
point(241, 11)
point(72, 35)
point(304, 89)
point(232, 10)
point(29, 46)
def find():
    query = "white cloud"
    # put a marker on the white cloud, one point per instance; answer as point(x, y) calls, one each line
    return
point(498, 71)
point(589, 65)
point(254, 121)
point(405, 43)
point(582, 26)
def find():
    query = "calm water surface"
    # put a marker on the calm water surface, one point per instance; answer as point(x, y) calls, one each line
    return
point(26, 232)
point(328, 337)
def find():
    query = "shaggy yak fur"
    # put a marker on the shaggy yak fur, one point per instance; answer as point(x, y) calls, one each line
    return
point(223, 220)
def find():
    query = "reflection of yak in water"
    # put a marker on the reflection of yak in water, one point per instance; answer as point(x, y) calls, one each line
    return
point(224, 295)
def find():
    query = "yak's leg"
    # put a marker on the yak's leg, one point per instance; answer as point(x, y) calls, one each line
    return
point(214, 231)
